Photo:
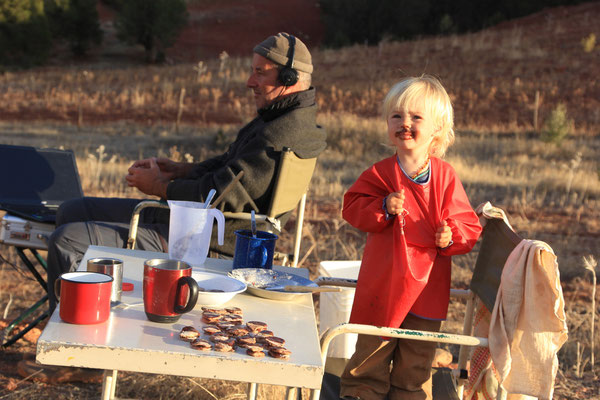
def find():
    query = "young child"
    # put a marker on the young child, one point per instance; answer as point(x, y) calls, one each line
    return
point(416, 215)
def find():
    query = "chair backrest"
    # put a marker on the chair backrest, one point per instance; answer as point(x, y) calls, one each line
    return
point(498, 241)
point(292, 182)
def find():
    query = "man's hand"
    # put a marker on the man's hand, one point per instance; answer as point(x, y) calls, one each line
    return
point(148, 178)
point(443, 236)
point(395, 203)
point(168, 168)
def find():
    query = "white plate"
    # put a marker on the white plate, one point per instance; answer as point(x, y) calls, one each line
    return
point(224, 288)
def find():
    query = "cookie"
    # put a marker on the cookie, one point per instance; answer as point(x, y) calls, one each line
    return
point(214, 310)
point(201, 344)
point(274, 341)
point(211, 317)
point(245, 340)
point(237, 331)
point(219, 337)
point(211, 329)
point(280, 352)
point(223, 347)
point(188, 333)
point(256, 326)
point(234, 310)
point(258, 354)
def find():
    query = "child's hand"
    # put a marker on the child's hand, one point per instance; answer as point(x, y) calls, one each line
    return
point(395, 203)
point(443, 236)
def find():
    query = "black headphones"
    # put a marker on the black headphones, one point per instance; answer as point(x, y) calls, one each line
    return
point(288, 76)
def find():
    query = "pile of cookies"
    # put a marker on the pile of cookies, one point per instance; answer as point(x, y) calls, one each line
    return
point(226, 330)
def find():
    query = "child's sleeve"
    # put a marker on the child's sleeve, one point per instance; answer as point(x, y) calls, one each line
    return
point(363, 204)
point(461, 218)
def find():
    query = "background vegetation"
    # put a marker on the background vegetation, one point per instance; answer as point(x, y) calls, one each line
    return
point(30, 28)
point(366, 21)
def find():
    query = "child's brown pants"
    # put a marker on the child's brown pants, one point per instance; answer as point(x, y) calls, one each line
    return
point(368, 373)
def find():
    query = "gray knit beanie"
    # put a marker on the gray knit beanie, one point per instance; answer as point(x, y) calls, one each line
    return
point(276, 48)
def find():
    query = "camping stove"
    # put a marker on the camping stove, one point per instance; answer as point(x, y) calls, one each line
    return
point(19, 232)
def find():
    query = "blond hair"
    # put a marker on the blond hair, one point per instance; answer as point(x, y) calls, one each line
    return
point(437, 103)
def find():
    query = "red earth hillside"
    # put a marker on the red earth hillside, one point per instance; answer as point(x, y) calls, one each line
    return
point(235, 26)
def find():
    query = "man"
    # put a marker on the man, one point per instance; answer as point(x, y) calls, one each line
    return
point(285, 102)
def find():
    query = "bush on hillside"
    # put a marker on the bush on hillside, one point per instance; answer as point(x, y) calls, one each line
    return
point(153, 24)
point(557, 126)
point(77, 22)
point(25, 38)
point(368, 21)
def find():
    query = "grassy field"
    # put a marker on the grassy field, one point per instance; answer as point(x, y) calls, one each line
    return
point(111, 115)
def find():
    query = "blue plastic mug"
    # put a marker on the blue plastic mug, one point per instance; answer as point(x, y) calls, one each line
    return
point(254, 252)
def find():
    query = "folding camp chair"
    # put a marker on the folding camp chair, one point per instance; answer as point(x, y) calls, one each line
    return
point(498, 241)
point(291, 185)
point(293, 177)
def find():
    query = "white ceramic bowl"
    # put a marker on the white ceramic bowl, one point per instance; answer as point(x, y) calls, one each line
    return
point(216, 289)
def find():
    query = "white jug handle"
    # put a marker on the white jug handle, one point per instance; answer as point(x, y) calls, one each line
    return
point(218, 215)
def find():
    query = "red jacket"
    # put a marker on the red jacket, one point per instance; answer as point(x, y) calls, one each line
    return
point(402, 269)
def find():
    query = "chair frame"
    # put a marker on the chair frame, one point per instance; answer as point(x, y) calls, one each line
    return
point(5, 336)
point(302, 169)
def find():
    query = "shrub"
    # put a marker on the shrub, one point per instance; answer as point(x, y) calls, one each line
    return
point(77, 22)
point(557, 126)
point(153, 24)
point(588, 43)
point(368, 21)
point(25, 38)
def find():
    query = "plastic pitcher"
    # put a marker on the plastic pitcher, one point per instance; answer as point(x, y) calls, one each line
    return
point(254, 252)
point(190, 229)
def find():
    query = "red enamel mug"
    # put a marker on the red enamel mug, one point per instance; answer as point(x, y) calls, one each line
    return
point(169, 289)
point(84, 297)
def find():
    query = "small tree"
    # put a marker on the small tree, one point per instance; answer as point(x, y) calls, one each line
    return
point(25, 38)
point(558, 126)
point(155, 24)
point(77, 22)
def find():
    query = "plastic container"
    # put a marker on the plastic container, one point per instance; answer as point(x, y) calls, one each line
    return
point(190, 229)
point(335, 307)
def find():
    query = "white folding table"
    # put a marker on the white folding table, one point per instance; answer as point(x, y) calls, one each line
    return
point(128, 341)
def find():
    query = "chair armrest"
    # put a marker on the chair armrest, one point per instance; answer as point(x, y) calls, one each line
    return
point(439, 337)
point(135, 218)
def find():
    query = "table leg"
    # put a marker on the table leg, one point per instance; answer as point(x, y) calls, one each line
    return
point(294, 393)
point(252, 389)
point(109, 384)
point(315, 394)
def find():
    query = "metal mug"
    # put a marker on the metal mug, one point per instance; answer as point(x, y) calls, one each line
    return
point(254, 251)
point(112, 267)
point(84, 297)
point(169, 289)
